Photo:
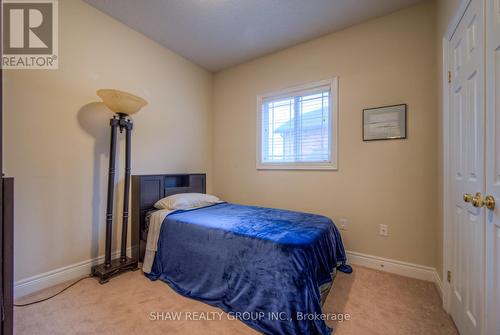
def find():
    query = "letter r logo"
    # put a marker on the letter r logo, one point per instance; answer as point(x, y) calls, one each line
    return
point(27, 28)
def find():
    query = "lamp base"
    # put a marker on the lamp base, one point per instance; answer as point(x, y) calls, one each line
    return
point(104, 273)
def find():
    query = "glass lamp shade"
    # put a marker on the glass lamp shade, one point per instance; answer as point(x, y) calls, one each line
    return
point(121, 102)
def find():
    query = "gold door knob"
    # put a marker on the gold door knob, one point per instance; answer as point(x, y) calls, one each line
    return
point(477, 200)
point(468, 197)
point(489, 202)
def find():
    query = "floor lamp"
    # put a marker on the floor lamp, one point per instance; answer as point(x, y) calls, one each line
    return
point(123, 104)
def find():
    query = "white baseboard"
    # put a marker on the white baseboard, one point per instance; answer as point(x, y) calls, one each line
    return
point(397, 267)
point(439, 284)
point(39, 282)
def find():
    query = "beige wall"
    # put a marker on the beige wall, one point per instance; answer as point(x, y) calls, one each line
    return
point(56, 145)
point(445, 11)
point(386, 61)
point(56, 142)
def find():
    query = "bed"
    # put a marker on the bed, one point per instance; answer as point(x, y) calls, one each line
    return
point(269, 268)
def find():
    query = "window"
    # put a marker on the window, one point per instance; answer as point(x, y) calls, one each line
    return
point(297, 127)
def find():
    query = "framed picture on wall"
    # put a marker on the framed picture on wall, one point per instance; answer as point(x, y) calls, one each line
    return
point(384, 123)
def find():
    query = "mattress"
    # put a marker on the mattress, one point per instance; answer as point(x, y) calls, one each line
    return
point(247, 259)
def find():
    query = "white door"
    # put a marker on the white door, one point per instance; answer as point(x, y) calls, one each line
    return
point(493, 167)
point(467, 112)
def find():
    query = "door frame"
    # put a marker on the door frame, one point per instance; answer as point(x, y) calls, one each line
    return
point(446, 202)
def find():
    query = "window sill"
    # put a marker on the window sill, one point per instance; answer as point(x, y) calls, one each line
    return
point(328, 167)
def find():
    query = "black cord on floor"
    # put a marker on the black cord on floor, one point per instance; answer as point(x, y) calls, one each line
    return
point(52, 296)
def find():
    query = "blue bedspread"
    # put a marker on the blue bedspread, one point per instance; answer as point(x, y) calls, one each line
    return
point(267, 262)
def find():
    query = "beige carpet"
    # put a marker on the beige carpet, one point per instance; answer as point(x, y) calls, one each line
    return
point(378, 303)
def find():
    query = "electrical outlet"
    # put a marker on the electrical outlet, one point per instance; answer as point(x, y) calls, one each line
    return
point(343, 224)
point(383, 230)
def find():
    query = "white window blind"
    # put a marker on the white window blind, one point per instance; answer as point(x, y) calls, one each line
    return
point(296, 128)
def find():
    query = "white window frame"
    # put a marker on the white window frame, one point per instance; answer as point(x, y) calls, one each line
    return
point(334, 141)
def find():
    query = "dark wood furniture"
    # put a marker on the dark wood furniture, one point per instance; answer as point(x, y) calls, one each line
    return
point(148, 189)
point(6, 230)
point(7, 250)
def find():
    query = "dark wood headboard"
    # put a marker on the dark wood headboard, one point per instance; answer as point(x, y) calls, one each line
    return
point(148, 189)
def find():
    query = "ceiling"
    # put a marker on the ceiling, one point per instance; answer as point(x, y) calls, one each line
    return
point(217, 34)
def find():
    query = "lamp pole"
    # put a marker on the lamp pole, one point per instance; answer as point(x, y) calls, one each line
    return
point(111, 191)
point(122, 104)
point(127, 124)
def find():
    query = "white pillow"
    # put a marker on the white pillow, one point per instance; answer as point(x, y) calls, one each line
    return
point(186, 201)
